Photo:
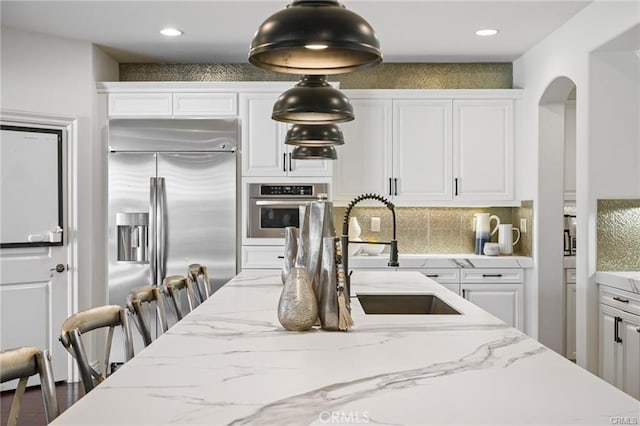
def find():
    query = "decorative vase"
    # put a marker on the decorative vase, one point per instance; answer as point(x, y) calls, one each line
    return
point(290, 251)
point(328, 310)
point(298, 306)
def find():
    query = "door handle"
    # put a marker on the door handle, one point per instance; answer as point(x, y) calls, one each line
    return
point(390, 185)
point(620, 299)
point(284, 162)
point(59, 268)
point(456, 186)
point(616, 331)
point(290, 167)
point(395, 186)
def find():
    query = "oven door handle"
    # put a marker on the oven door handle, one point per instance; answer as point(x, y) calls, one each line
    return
point(278, 203)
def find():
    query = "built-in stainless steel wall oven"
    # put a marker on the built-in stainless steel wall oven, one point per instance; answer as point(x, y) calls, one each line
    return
point(273, 207)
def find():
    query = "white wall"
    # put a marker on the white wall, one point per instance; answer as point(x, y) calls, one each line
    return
point(568, 52)
point(43, 74)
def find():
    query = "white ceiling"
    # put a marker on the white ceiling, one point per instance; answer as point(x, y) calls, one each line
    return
point(220, 31)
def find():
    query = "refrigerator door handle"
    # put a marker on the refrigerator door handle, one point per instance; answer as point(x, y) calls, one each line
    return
point(153, 240)
point(162, 230)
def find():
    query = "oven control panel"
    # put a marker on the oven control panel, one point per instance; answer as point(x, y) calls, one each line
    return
point(286, 190)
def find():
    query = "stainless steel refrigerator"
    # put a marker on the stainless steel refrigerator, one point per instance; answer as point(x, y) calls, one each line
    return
point(172, 201)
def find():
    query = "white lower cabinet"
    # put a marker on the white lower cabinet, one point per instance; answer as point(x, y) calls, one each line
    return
point(262, 257)
point(498, 291)
point(447, 277)
point(501, 300)
point(620, 340)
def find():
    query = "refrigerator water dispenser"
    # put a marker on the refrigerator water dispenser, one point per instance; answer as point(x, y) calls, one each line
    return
point(133, 237)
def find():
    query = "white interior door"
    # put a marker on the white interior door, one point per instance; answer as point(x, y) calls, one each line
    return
point(36, 287)
point(34, 301)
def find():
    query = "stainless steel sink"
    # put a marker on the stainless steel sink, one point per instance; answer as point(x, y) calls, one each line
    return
point(405, 304)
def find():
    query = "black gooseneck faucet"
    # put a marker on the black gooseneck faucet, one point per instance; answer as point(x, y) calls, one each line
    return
point(344, 239)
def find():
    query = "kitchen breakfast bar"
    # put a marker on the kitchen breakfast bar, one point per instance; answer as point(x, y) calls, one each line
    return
point(231, 362)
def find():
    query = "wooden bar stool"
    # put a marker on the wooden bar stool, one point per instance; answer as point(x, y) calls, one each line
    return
point(22, 363)
point(174, 285)
point(199, 276)
point(139, 302)
point(83, 322)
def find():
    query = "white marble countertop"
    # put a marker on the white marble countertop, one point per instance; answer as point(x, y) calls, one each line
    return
point(624, 280)
point(230, 362)
point(426, 261)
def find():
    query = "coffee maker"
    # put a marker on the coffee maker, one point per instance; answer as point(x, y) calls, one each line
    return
point(569, 235)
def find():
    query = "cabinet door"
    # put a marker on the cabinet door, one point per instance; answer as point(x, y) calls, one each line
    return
point(207, 104)
point(140, 104)
point(422, 149)
point(501, 300)
point(570, 322)
point(308, 167)
point(483, 149)
point(630, 376)
point(608, 345)
point(364, 161)
point(263, 149)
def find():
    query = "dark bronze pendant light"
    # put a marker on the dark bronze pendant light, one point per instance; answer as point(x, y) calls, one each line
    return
point(315, 37)
point(314, 153)
point(314, 135)
point(313, 101)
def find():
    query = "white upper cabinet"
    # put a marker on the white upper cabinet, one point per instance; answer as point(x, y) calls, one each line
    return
point(421, 150)
point(428, 148)
point(483, 149)
point(264, 152)
point(167, 104)
point(364, 161)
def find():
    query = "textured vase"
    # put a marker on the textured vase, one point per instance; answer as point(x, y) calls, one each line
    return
point(290, 251)
point(328, 299)
point(298, 307)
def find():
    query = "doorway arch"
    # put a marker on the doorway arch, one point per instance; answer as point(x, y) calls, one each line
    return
point(550, 212)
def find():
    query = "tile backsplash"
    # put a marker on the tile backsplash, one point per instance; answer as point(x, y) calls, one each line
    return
point(436, 230)
point(618, 231)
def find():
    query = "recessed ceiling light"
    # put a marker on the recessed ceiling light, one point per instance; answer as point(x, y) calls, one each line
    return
point(487, 32)
point(171, 32)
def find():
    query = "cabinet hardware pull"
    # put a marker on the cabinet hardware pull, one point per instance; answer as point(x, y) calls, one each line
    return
point(284, 162)
point(390, 183)
point(456, 186)
point(616, 333)
point(638, 329)
point(395, 185)
point(280, 257)
point(432, 275)
point(491, 275)
point(620, 299)
point(290, 167)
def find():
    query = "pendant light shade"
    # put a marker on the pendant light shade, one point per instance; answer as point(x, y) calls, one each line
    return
point(313, 101)
point(314, 153)
point(315, 37)
point(314, 135)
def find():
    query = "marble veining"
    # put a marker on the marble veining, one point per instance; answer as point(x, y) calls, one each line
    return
point(623, 280)
point(230, 362)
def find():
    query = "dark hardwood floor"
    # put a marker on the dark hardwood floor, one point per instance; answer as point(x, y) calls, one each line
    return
point(32, 411)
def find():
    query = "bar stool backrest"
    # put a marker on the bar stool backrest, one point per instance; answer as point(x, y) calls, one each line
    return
point(139, 302)
point(199, 276)
point(108, 316)
point(174, 285)
point(22, 363)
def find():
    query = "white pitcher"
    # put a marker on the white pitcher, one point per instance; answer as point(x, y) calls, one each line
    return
point(483, 229)
point(505, 238)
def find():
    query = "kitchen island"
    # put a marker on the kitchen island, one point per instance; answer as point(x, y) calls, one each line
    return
point(230, 362)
